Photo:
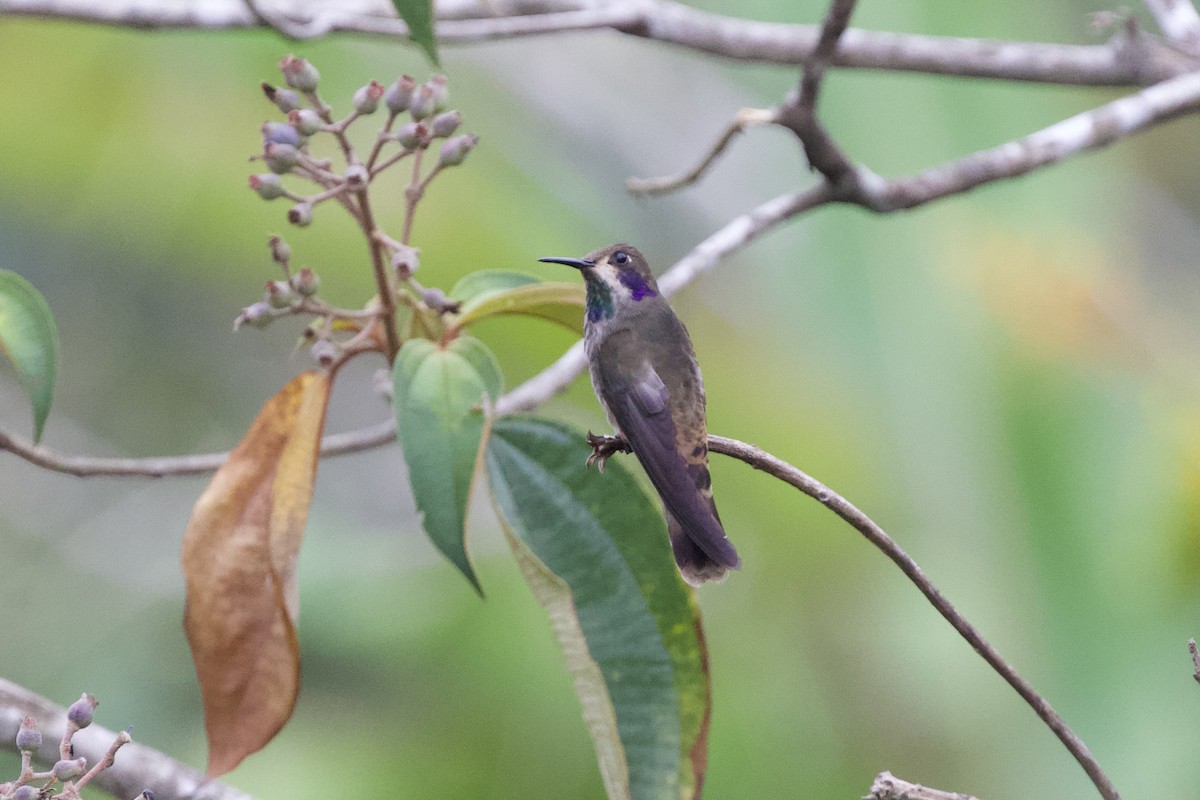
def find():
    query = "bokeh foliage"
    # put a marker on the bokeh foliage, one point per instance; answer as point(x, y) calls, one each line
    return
point(1006, 381)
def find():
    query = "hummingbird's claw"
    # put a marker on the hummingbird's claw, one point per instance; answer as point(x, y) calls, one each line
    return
point(603, 448)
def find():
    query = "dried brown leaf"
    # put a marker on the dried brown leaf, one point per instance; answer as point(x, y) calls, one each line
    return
point(239, 560)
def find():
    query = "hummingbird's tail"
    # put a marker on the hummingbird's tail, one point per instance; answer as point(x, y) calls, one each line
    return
point(694, 563)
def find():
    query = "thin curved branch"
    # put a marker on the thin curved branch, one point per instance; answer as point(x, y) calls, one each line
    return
point(136, 767)
point(1124, 61)
point(762, 460)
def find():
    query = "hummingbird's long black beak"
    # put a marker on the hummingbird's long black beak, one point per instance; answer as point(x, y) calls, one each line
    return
point(577, 263)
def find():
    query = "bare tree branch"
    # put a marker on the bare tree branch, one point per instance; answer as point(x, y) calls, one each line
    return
point(135, 768)
point(799, 113)
point(1090, 130)
point(1180, 23)
point(762, 460)
point(1123, 61)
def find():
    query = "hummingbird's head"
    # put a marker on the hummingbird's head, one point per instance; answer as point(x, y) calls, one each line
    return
point(616, 276)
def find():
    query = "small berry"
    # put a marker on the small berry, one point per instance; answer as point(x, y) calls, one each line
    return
point(306, 282)
point(300, 214)
point(406, 261)
point(305, 121)
point(68, 769)
point(366, 99)
point(299, 74)
point(423, 102)
point(268, 185)
point(324, 352)
point(412, 135)
point(284, 99)
point(26, 792)
point(437, 300)
point(399, 94)
point(455, 150)
point(280, 158)
point(357, 176)
point(445, 124)
point(29, 738)
point(441, 92)
point(81, 711)
point(281, 251)
point(257, 315)
point(280, 133)
point(279, 294)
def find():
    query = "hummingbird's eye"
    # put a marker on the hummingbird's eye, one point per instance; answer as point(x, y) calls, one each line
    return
point(620, 257)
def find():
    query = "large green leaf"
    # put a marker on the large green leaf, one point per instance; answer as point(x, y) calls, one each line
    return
point(490, 293)
point(441, 422)
point(593, 548)
point(418, 16)
point(29, 339)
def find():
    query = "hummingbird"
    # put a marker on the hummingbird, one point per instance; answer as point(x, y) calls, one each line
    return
point(646, 376)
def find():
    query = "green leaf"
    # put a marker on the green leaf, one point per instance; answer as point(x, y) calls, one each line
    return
point(593, 548)
point(442, 423)
point(29, 339)
point(493, 292)
point(418, 16)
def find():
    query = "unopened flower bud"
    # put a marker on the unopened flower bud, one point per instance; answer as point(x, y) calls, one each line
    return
point(280, 158)
point(279, 294)
point(68, 769)
point(423, 102)
point(305, 121)
point(399, 94)
point(455, 150)
point(300, 214)
point(257, 315)
point(437, 300)
point(281, 133)
point(284, 99)
point(267, 185)
point(406, 261)
point(306, 282)
point(324, 352)
point(357, 176)
point(29, 738)
point(81, 711)
point(445, 124)
point(441, 92)
point(281, 251)
point(412, 135)
point(299, 74)
point(26, 792)
point(366, 99)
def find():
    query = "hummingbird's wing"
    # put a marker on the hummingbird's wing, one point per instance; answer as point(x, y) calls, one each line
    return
point(641, 409)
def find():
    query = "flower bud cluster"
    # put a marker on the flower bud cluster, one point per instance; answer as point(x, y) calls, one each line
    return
point(34, 785)
point(416, 119)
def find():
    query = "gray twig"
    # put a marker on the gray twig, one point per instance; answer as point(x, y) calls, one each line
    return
point(1123, 61)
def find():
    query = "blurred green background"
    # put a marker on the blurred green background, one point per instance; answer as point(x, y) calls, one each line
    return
point(1006, 381)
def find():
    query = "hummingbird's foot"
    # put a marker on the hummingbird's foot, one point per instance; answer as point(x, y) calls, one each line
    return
point(604, 447)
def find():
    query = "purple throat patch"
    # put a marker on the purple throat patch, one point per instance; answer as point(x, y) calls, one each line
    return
point(637, 286)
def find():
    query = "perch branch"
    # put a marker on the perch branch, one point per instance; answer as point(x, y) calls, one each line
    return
point(136, 768)
point(762, 460)
point(1125, 60)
